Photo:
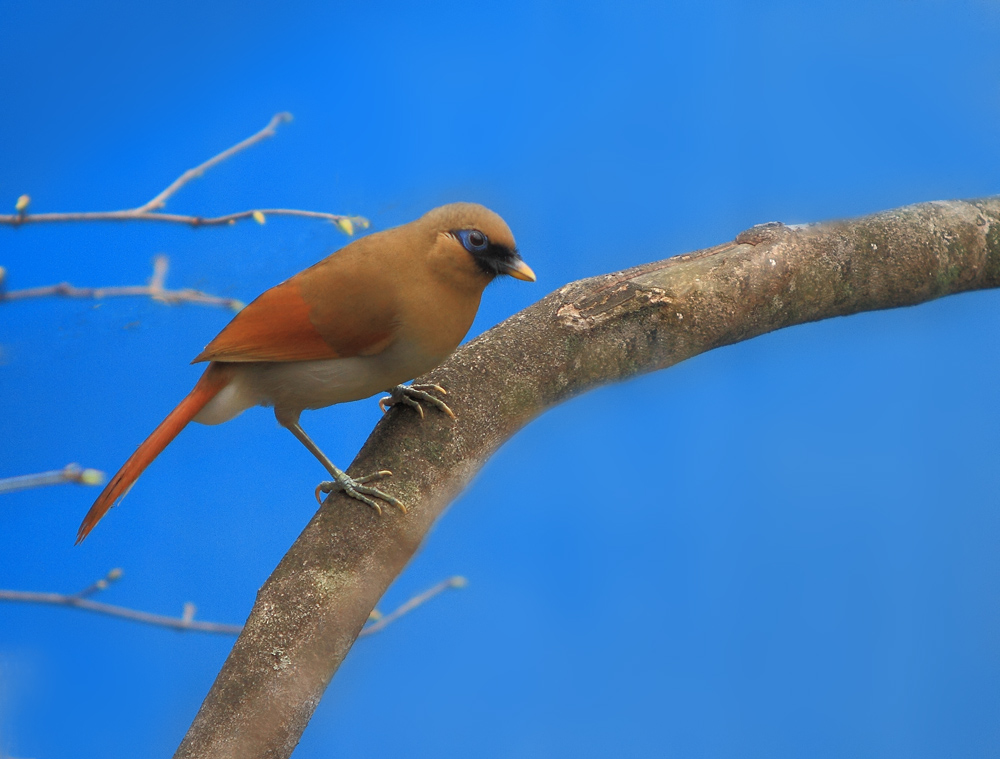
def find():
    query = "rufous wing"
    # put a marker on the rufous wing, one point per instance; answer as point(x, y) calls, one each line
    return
point(325, 312)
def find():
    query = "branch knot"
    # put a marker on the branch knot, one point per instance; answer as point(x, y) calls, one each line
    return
point(768, 232)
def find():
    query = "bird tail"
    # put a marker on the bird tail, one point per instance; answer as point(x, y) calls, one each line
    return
point(215, 378)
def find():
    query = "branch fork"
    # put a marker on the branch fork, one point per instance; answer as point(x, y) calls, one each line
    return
point(151, 209)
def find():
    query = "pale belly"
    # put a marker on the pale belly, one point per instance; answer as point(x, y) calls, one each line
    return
point(293, 386)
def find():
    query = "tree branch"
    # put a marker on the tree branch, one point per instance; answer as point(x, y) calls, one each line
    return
point(380, 622)
point(183, 623)
point(69, 473)
point(149, 211)
point(588, 333)
point(81, 600)
point(186, 622)
point(155, 290)
point(269, 131)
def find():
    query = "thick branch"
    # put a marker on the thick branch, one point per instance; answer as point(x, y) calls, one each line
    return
point(585, 334)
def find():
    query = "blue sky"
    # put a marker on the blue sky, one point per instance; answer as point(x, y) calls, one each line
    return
point(799, 558)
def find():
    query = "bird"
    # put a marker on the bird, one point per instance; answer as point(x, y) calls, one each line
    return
point(378, 312)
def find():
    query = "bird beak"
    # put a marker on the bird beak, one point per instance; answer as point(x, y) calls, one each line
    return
point(518, 269)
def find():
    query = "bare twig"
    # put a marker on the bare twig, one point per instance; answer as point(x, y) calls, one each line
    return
point(69, 473)
point(154, 290)
point(113, 576)
point(149, 211)
point(186, 622)
point(344, 223)
point(380, 623)
point(160, 620)
point(269, 131)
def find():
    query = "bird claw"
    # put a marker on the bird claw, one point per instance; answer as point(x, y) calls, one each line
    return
point(414, 396)
point(357, 489)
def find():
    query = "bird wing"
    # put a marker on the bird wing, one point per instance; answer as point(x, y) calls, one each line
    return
point(330, 310)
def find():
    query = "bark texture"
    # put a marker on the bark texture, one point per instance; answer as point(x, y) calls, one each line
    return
point(585, 334)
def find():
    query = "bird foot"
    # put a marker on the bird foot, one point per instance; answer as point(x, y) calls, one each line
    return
point(357, 488)
point(414, 396)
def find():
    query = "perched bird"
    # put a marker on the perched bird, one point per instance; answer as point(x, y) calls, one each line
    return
point(376, 313)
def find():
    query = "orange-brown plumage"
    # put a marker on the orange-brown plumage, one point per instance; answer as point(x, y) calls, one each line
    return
point(325, 311)
point(382, 310)
point(212, 381)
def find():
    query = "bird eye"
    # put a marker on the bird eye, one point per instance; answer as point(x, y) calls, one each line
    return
point(473, 240)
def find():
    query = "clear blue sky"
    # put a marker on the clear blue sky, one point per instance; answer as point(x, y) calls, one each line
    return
point(800, 554)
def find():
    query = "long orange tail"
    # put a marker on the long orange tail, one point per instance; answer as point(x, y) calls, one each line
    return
point(215, 378)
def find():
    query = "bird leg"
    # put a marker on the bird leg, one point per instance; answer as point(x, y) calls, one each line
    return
point(413, 396)
point(354, 487)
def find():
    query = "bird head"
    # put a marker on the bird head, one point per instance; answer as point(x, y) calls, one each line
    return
point(470, 231)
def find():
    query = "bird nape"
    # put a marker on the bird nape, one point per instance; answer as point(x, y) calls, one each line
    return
point(382, 310)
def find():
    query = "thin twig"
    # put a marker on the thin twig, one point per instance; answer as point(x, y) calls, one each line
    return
point(161, 265)
point(149, 211)
point(69, 473)
point(160, 620)
point(269, 131)
point(382, 622)
point(154, 290)
point(186, 622)
point(344, 223)
point(113, 576)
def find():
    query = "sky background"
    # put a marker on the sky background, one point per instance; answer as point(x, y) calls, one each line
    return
point(800, 557)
